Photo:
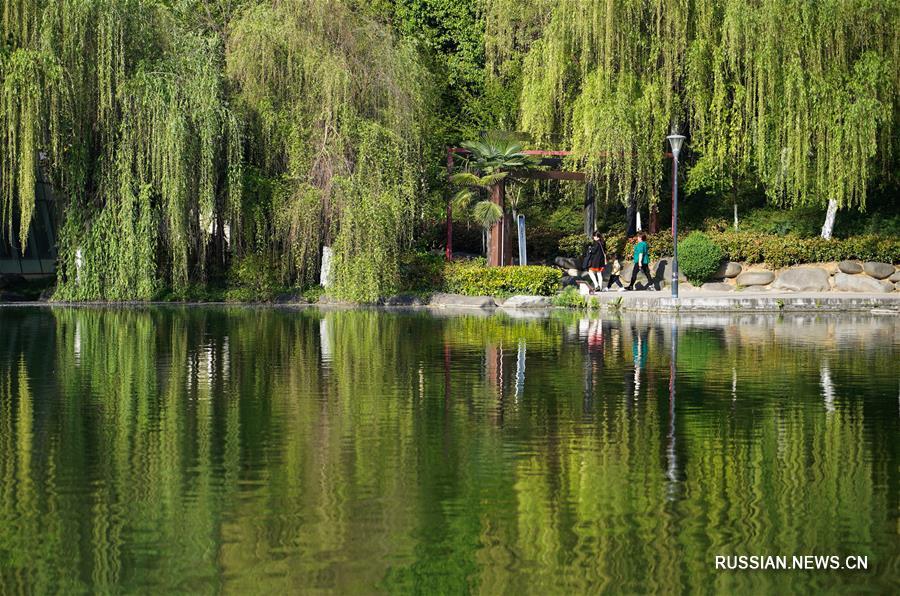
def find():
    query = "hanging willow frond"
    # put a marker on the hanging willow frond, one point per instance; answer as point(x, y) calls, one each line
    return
point(801, 93)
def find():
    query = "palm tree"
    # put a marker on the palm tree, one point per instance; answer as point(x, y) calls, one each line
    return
point(493, 161)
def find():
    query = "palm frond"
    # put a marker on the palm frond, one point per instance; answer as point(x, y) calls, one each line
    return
point(462, 200)
point(492, 179)
point(487, 213)
point(465, 179)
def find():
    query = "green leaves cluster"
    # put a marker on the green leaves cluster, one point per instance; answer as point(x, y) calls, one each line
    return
point(156, 109)
point(699, 257)
point(492, 160)
point(473, 278)
point(799, 93)
point(125, 111)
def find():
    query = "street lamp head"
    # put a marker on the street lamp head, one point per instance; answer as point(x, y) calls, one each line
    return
point(676, 141)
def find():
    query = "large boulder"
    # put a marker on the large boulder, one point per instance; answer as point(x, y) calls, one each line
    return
point(755, 278)
point(527, 302)
point(895, 277)
point(460, 301)
point(850, 267)
point(831, 268)
point(729, 270)
point(717, 286)
point(662, 271)
point(897, 286)
point(404, 300)
point(861, 283)
point(878, 270)
point(803, 279)
point(567, 263)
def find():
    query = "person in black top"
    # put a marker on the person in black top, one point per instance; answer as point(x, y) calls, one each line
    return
point(595, 261)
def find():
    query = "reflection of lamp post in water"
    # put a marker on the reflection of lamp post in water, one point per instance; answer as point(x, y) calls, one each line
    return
point(671, 461)
point(675, 140)
point(520, 369)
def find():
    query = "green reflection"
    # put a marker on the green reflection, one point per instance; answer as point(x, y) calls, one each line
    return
point(256, 450)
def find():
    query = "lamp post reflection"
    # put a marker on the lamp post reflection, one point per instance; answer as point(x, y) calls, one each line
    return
point(671, 456)
point(520, 369)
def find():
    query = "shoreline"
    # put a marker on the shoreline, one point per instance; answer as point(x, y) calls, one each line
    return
point(692, 301)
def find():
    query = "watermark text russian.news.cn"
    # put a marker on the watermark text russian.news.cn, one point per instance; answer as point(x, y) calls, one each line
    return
point(792, 562)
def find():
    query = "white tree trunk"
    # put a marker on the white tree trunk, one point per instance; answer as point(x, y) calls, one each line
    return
point(735, 218)
point(638, 225)
point(828, 228)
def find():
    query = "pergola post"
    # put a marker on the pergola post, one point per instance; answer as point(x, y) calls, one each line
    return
point(449, 247)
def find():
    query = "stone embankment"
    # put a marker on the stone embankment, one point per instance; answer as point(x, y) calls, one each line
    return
point(844, 276)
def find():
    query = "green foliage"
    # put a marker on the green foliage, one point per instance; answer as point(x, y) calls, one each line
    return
point(252, 278)
point(801, 221)
point(801, 95)
point(335, 108)
point(127, 108)
point(497, 158)
point(699, 257)
point(472, 278)
point(570, 298)
point(781, 251)
point(573, 245)
point(421, 272)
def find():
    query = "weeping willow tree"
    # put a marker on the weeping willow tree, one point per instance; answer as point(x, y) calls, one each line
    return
point(125, 111)
point(801, 93)
point(334, 106)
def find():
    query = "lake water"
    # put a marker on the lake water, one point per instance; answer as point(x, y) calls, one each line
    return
point(263, 450)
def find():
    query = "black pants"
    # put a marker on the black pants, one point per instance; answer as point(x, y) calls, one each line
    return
point(646, 271)
point(613, 279)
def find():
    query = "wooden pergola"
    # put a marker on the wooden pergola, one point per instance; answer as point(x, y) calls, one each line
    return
point(500, 249)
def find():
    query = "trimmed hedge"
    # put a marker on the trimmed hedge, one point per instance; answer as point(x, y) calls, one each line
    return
point(754, 247)
point(473, 278)
point(424, 273)
point(782, 251)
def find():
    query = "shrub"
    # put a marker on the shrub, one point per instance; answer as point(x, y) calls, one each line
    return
point(569, 298)
point(252, 278)
point(782, 251)
point(800, 221)
point(472, 278)
point(421, 272)
point(699, 257)
point(573, 245)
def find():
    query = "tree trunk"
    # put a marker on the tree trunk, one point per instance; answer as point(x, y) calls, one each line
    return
point(828, 228)
point(654, 219)
point(500, 246)
point(631, 215)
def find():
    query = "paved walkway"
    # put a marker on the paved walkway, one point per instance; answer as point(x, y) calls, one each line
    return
point(749, 300)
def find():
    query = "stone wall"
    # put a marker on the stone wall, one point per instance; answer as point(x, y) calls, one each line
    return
point(844, 276)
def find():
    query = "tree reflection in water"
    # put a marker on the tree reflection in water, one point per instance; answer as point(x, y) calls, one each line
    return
point(170, 449)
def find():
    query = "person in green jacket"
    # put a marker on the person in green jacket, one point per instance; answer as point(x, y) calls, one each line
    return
point(641, 262)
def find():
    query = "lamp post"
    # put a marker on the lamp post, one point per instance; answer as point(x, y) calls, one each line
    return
point(675, 140)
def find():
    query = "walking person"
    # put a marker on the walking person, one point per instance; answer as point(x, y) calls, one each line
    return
point(595, 261)
point(614, 273)
point(641, 262)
